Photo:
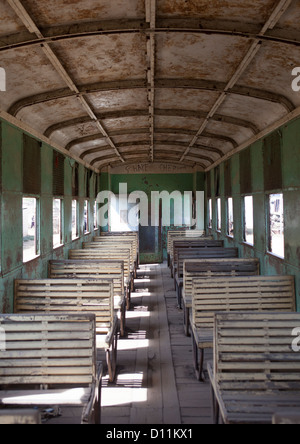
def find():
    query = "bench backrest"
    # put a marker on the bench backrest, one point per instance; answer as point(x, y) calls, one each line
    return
point(67, 295)
point(129, 234)
point(195, 243)
point(244, 293)
point(48, 349)
point(106, 243)
point(183, 234)
point(208, 268)
point(253, 352)
point(133, 240)
point(204, 253)
point(97, 254)
point(186, 241)
point(88, 269)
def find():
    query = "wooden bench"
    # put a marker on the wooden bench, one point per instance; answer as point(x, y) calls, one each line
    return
point(113, 249)
point(104, 254)
point(178, 244)
point(88, 269)
point(255, 373)
point(50, 359)
point(74, 295)
point(244, 293)
point(112, 243)
point(130, 239)
point(197, 254)
point(182, 233)
point(212, 268)
point(130, 234)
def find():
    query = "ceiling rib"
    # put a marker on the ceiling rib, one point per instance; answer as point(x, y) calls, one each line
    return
point(159, 112)
point(281, 7)
point(158, 142)
point(144, 131)
point(203, 85)
point(151, 19)
point(19, 9)
point(108, 27)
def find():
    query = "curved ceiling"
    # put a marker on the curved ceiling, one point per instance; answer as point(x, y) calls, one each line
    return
point(116, 82)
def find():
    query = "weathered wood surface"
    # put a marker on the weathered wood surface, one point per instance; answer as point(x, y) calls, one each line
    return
point(255, 373)
point(88, 269)
point(46, 349)
point(196, 254)
point(182, 234)
point(243, 293)
point(212, 268)
point(131, 234)
point(110, 255)
point(178, 245)
point(113, 245)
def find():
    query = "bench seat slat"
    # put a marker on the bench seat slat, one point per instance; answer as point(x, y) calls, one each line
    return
point(255, 373)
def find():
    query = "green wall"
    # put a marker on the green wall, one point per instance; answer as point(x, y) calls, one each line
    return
point(154, 182)
point(11, 195)
point(290, 169)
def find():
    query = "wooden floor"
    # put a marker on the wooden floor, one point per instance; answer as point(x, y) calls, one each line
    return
point(155, 380)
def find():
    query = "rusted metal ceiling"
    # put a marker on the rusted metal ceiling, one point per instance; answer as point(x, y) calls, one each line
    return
point(115, 82)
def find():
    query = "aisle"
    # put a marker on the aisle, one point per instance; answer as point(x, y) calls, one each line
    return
point(155, 381)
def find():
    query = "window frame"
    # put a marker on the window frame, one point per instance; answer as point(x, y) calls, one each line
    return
point(269, 225)
point(228, 220)
point(245, 240)
point(37, 234)
point(86, 217)
point(219, 214)
point(76, 234)
point(61, 221)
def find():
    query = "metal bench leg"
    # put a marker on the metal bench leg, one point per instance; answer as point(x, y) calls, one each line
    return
point(215, 407)
point(123, 319)
point(128, 298)
point(186, 320)
point(111, 358)
point(198, 361)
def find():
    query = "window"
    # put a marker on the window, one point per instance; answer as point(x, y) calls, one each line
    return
point(248, 220)
point(276, 224)
point(74, 219)
point(230, 223)
point(86, 217)
point(219, 215)
point(209, 213)
point(30, 228)
point(57, 223)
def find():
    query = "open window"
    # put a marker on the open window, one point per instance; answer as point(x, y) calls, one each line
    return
point(219, 214)
point(30, 228)
point(57, 223)
point(86, 228)
point(248, 220)
point(230, 221)
point(210, 216)
point(75, 232)
point(276, 224)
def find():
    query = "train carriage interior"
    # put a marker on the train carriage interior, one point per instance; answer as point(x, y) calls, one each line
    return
point(150, 212)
